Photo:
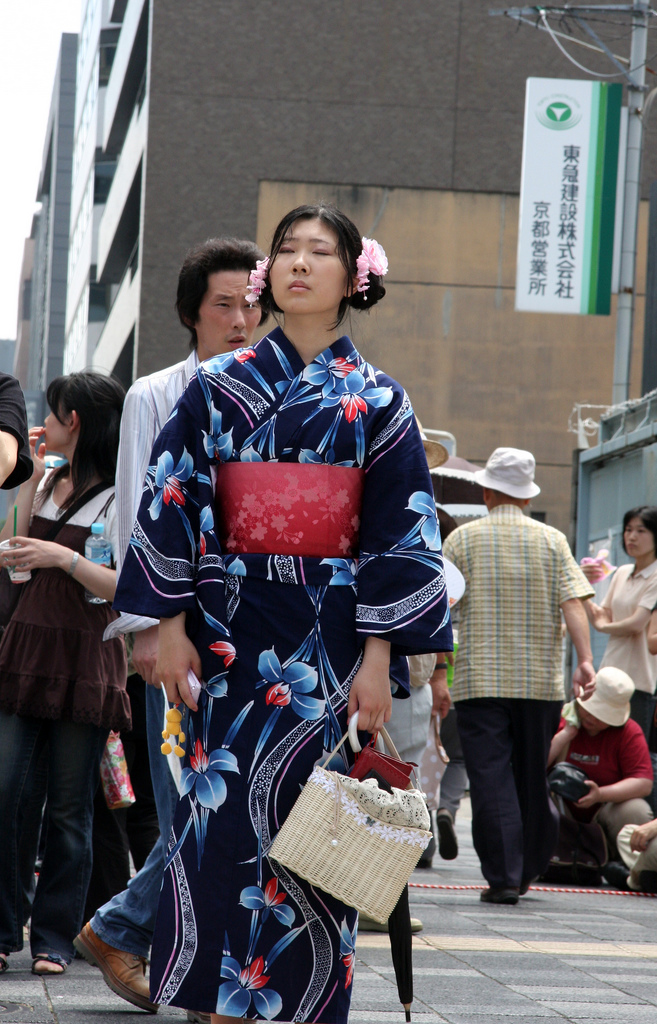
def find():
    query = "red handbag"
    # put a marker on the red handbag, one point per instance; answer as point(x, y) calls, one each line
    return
point(395, 771)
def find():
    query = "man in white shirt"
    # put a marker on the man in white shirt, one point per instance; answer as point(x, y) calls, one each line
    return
point(211, 304)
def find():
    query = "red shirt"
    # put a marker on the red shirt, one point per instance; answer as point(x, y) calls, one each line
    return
point(619, 752)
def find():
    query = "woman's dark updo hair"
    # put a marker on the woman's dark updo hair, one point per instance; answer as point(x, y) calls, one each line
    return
point(350, 246)
point(98, 401)
point(648, 516)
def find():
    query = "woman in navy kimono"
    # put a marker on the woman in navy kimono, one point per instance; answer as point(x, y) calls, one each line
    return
point(287, 541)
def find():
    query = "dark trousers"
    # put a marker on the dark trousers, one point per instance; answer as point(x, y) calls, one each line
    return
point(642, 710)
point(514, 823)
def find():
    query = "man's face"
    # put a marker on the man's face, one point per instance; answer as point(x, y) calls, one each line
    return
point(590, 724)
point(225, 319)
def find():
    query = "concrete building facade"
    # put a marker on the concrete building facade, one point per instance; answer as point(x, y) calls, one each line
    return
point(24, 320)
point(216, 118)
point(51, 228)
point(93, 171)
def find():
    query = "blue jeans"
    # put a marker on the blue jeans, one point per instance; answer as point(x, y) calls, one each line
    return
point(128, 920)
point(73, 753)
point(34, 799)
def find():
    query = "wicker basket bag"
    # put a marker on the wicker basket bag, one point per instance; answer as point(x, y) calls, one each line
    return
point(354, 840)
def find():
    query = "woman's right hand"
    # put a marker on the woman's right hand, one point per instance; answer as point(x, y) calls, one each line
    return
point(175, 656)
point(370, 690)
point(592, 572)
point(38, 452)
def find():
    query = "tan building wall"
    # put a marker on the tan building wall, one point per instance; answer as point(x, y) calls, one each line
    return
point(447, 329)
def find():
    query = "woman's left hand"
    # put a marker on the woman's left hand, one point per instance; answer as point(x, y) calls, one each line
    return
point(370, 691)
point(29, 553)
point(592, 797)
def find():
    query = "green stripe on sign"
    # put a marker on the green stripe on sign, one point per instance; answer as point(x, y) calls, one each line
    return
point(601, 197)
point(597, 197)
point(608, 198)
point(590, 265)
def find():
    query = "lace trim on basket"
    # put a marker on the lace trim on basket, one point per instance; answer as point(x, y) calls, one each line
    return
point(394, 833)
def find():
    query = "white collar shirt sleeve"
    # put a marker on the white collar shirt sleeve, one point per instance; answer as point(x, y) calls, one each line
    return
point(148, 405)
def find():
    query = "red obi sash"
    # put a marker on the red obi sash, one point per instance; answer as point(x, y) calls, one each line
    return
point(289, 508)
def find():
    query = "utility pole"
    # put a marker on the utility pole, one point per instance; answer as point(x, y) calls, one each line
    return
point(631, 200)
point(635, 77)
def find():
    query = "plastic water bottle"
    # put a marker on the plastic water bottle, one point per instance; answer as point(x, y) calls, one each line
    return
point(98, 549)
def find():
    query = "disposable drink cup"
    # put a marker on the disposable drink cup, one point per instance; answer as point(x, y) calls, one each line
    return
point(16, 575)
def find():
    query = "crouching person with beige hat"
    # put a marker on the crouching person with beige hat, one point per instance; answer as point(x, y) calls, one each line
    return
point(598, 736)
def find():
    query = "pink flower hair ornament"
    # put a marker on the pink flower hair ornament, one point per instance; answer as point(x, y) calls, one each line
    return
point(257, 280)
point(372, 260)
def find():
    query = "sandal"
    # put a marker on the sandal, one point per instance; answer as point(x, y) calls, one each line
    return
point(4, 966)
point(48, 963)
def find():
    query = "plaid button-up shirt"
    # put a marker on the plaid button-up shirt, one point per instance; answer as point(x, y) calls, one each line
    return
point(518, 572)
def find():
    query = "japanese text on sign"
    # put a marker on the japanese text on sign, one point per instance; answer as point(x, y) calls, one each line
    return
point(567, 233)
point(540, 235)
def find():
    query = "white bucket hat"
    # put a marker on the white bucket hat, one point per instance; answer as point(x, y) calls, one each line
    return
point(511, 471)
point(610, 701)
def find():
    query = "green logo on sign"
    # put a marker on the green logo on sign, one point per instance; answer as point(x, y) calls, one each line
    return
point(558, 112)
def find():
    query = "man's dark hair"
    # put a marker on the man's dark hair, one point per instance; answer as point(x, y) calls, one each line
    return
point(208, 258)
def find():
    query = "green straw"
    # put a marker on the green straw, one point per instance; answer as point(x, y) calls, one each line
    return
point(15, 515)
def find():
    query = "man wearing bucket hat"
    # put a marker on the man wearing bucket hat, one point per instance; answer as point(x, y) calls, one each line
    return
point(598, 736)
point(508, 679)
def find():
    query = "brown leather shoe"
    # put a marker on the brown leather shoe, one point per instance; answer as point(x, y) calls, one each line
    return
point(125, 973)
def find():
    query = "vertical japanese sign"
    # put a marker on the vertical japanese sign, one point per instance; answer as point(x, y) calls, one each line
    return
point(568, 196)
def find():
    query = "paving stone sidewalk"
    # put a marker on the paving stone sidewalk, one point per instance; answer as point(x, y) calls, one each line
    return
point(555, 957)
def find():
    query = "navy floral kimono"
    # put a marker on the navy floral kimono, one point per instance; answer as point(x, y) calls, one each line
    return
point(288, 510)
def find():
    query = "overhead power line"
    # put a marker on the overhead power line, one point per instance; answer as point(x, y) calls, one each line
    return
point(537, 15)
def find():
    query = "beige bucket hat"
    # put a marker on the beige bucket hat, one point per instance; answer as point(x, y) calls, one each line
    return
point(610, 701)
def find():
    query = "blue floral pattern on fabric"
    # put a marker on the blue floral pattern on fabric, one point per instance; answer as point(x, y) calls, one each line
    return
point(280, 639)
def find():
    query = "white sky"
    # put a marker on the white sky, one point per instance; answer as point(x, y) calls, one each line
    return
point(30, 32)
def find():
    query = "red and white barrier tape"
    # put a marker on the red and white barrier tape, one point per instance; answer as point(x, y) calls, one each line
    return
point(539, 888)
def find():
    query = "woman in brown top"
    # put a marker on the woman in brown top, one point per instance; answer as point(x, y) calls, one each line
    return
point(61, 687)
